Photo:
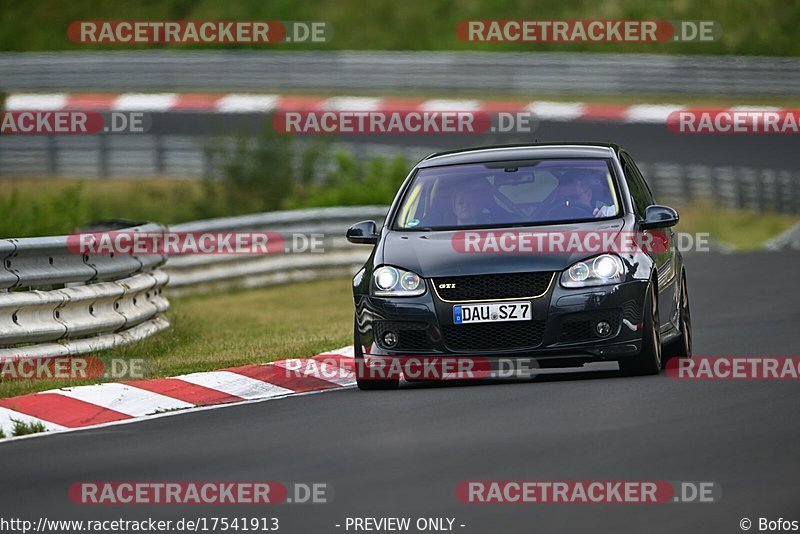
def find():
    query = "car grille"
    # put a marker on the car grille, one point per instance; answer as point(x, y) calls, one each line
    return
point(493, 336)
point(580, 326)
point(492, 286)
point(410, 335)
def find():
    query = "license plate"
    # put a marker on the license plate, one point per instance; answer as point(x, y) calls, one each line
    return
point(491, 312)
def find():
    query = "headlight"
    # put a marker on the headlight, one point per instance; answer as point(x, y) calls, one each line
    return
point(393, 282)
point(386, 278)
point(598, 271)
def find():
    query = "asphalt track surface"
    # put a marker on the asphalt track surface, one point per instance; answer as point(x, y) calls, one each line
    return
point(401, 453)
point(646, 142)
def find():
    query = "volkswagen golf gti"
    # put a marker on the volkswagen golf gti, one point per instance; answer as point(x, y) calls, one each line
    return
point(555, 254)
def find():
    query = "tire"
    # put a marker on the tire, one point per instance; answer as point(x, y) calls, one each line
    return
point(648, 361)
point(681, 347)
point(368, 384)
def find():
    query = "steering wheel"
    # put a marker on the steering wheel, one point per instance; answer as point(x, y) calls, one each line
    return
point(569, 211)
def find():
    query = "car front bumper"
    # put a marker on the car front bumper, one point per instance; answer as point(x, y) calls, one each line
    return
point(561, 332)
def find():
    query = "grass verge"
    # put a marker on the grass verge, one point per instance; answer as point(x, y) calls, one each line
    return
point(21, 428)
point(744, 229)
point(56, 206)
point(237, 328)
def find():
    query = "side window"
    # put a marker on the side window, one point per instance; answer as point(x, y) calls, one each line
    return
point(640, 176)
point(640, 193)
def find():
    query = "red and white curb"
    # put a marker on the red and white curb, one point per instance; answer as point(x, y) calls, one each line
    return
point(115, 403)
point(267, 103)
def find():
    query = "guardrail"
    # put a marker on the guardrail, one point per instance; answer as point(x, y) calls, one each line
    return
point(759, 189)
point(55, 302)
point(145, 155)
point(450, 72)
point(201, 272)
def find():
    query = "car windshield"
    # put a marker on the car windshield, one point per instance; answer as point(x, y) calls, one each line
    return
point(508, 194)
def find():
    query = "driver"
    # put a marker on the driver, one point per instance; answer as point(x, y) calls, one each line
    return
point(578, 194)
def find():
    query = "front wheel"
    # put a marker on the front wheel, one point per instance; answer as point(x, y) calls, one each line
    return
point(648, 361)
point(681, 347)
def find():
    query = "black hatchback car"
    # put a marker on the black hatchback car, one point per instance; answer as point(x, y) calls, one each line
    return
point(556, 254)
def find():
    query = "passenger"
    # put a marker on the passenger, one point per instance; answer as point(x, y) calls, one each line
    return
point(467, 206)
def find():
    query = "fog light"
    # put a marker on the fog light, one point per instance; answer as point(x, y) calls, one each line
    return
point(390, 339)
point(602, 328)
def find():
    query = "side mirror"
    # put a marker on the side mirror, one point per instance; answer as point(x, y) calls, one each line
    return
point(364, 233)
point(656, 216)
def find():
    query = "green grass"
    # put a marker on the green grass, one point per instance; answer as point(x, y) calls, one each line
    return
point(237, 328)
point(56, 206)
point(744, 229)
point(21, 428)
point(755, 27)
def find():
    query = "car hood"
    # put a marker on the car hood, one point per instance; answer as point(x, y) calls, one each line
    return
point(441, 253)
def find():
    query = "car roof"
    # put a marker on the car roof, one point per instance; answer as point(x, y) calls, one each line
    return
point(484, 154)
